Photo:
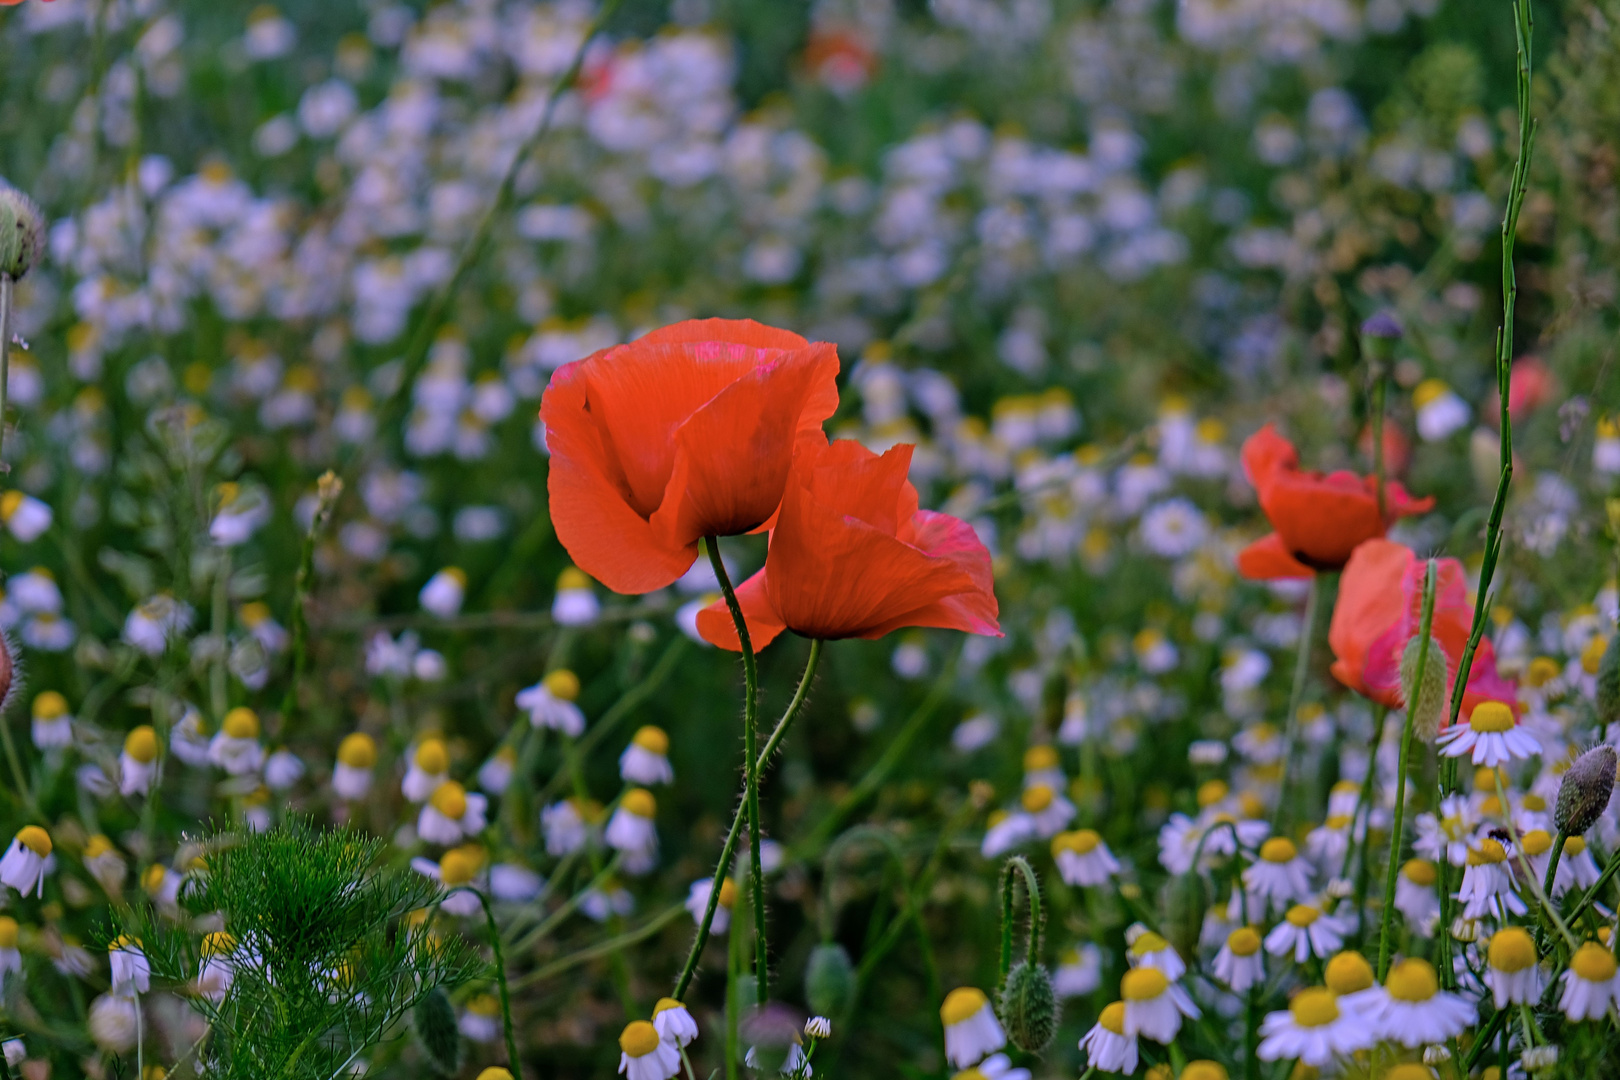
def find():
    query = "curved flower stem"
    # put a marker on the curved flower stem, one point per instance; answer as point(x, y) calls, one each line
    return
point(724, 864)
point(500, 982)
point(1302, 664)
point(1396, 830)
point(1032, 889)
point(1552, 860)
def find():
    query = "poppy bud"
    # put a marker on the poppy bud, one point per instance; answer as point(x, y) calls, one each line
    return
point(1608, 682)
point(1029, 1007)
point(434, 1020)
point(829, 979)
point(22, 232)
point(1378, 337)
point(1186, 899)
point(1584, 794)
point(1426, 703)
point(8, 669)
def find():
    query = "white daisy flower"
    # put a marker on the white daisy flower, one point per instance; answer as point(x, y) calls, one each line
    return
point(1487, 884)
point(444, 592)
point(644, 1055)
point(631, 831)
point(1006, 831)
point(550, 703)
point(52, 722)
point(697, 902)
point(1149, 950)
point(480, 1021)
point(575, 603)
point(1411, 1009)
point(356, 757)
point(1416, 898)
point(24, 516)
point(138, 764)
point(1577, 869)
point(282, 769)
point(646, 759)
point(1108, 1049)
point(23, 866)
point(1447, 836)
point(236, 748)
point(10, 955)
point(1492, 737)
point(1591, 985)
point(565, 826)
point(458, 867)
point(1041, 766)
point(1082, 858)
point(1239, 964)
point(189, 738)
point(131, 972)
point(674, 1022)
point(1279, 877)
point(105, 863)
point(451, 814)
point(1512, 970)
point(1313, 1029)
point(1049, 810)
point(1154, 1005)
point(1304, 932)
point(218, 969)
point(972, 1031)
point(1078, 972)
point(429, 767)
point(495, 774)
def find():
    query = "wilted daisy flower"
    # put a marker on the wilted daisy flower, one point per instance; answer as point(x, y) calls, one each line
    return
point(162, 885)
point(24, 863)
point(190, 738)
point(644, 1055)
point(495, 774)
point(1239, 964)
point(1153, 1005)
point(1149, 950)
point(674, 1023)
point(356, 757)
point(1279, 876)
point(646, 759)
point(1415, 896)
point(631, 830)
point(550, 703)
point(105, 864)
point(444, 592)
point(1512, 970)
point(971, 1029)
point(131, 973)
point(575, 603)
point(52, 722)
point(697, 902)
point(1108, 1049)
point(1487, 884)
point(1078, 972)
point(566, 827)
point(1591, 985)
point(1306, 931)
point(451, 814)
point(1411, 1009)
point(137, 765)
point(10, 956)
point(236, 748)
point(480, 1021)
point(1313, 1029)
point(1082, 858)
point(239, 516)
point(114, 1022)
point(218, 969)
point(1492, 736)
point(429, 767)
point(24, 516)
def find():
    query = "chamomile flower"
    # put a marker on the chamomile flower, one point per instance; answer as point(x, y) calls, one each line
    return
point(114, 1023)
point(1108, 1049)
point(644, 1055)
point(131, 972)
point(356, 757)
point(550, 703)
point(1313, 1029)
point(1487, 884)
point(456, 869)
point(1440, 412)
point(1041, 766)
point(646, 759)
point(52, 722)
point(1512, 969)
point(138, 764)
point(632, 832)
point(1083, 858)
point(1447, 836)
point(495, 774)
point(105, 864)
point(1279, 876)
point(480, 1021)
point(1415, 896)
point(1304, 932)
point(1049, 810)
point(972, 1031)
point(1491, 737)
point(1411, 1009)
point(674, 1022)
point(566, 826)
point(697, 902)
point(1007, 830)
point(1349, 976)
point(10, 955)
point(162, 885)
point(575, 603)
point(1591, 985)
point(282, 769)
point(24, 864)
point(1078, 972)
point(1149, 950)
point(451, 814)
point(218, 969)
point(236, 748)
point(429, 767)
point(1239, 964)
point(1327, 843)
point(1577, 868)
point(444, 592)
point(189, 738)
point(24, 516)
point(1154, 1005)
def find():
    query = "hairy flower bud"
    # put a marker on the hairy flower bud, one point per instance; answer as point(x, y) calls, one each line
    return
point(1608, 682)
point(829, 979)
point(434, 1021)
point(1425, 703)
point(1584, 794)
point(22, 232)
point(1029, 1008)
point(1378, 337)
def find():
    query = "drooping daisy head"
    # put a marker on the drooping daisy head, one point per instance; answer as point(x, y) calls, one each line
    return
point(971, 1028)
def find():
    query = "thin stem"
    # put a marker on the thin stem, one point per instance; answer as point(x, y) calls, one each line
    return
point(1553, 858)
point(1396, 837)
point(6, 287)
point(1379, 389)
point(327, 489)
point(500, 982)
point(1018, 865)
point(1363, 815)
point(222, 582)
point(602, 948)
point(1591, 896)
point(1302, 663)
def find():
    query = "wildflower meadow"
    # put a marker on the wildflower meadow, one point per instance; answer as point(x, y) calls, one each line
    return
point(924, 539)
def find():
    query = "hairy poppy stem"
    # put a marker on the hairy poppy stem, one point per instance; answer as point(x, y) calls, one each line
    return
point(1430, 577)
point(500, 983)
point(1302, 664)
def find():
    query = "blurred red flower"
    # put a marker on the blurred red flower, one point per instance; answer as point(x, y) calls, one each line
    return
point(1380, 609)
point(1319, 519)
point(684, 433)
point(852, 557)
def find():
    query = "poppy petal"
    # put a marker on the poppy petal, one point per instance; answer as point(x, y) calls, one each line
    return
point(714, 623)
point(1268, 560)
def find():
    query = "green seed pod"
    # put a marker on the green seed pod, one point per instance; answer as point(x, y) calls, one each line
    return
point(1186, 899)
point(22, 232)
point(1608, 682)
point(1584, 794)
point(829, 979)
point(1427, 703)
point(434, 1020)
point(1029, 1008)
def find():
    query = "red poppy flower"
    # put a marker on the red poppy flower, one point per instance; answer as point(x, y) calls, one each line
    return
point(852, 557)
point(684, 433)
point(1319, 519)
point(1380, 609)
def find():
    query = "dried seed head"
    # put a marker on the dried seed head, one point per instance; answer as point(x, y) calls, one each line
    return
point(1029, 1007)
point(22, 232)
point(1427, 703)
point(1584, 794)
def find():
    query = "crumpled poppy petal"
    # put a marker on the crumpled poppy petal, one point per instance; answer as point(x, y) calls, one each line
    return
point(1268, 560)
point(976, 611)
point(594, 520)
point(1369, 604)
point(741, 331)
point(715, 626)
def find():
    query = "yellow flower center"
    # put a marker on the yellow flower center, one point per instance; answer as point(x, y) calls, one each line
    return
point(1211, 792)
point(728, 894)
point(1536, 842)
point(1488, 853)
point(653, 740)
point(1348, 972)
point(1148, 944)
point(1302, 915)
point(1412, 980)
point(8, 932)
point(1593, 963)
point(431, 757)
point(98, 846)
point(1511, 950)
point(1040, 758)
point(1244, 941)
point(459, 866)
point(639, 1039)
point(562, 684)
point(666, 1004)
point(1279, 849)
point(35, 839)
point(572, 579)
point(217, 943)
point(1574, 845)
point(1143, 984)
point(49, 705)
point(1491, 716)
point(450, 799)
point(1592, 655)
point(962, 1003)
point(1315, 1007)
point(495, 1072)
point(358, 750)
point(241, 723)
point(1080, 841)
point(1036, 798)
point(1113, 1018)
point(1419, 871)
point(141, 744)
point(640, 802)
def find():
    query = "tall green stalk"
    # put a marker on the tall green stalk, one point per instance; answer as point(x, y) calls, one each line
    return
point(1302, 664)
